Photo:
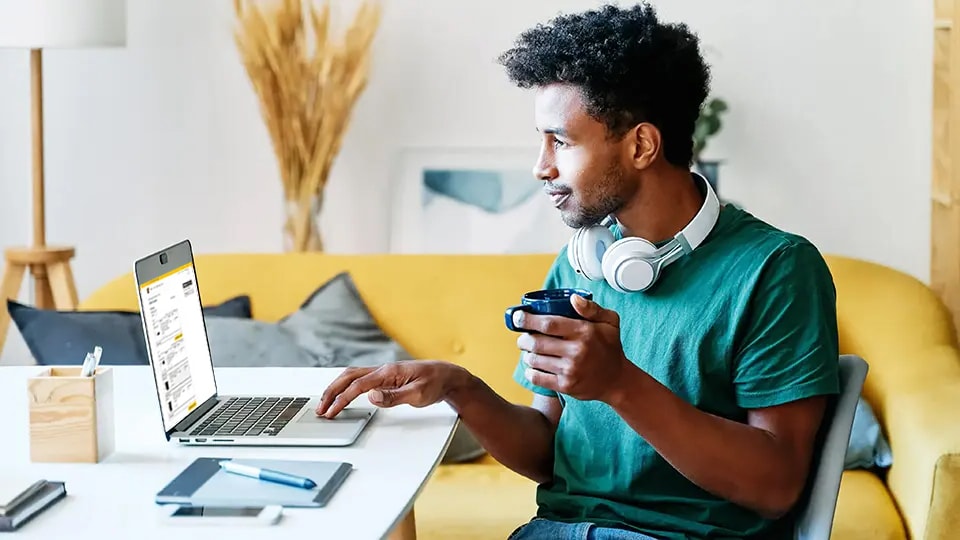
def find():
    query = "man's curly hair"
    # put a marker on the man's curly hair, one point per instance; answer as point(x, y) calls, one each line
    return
point(629, 68)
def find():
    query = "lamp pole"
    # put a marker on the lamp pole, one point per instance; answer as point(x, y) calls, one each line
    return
point(42, 296)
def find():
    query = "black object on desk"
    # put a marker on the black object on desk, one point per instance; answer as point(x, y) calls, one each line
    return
point(24, 510)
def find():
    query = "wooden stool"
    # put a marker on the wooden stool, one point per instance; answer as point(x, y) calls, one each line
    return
point(50, 267)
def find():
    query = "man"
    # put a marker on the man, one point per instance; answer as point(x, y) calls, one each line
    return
point(689, 410)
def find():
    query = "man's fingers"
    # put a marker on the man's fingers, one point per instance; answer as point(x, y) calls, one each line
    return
point(549, 364)
point(340, 384)
point(410, 394)
point(592, 311)
point(549, 381)
point(551, 325)
point(366, 383)
point(541, 344)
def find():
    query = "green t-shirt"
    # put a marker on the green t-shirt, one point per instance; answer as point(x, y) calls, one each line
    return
point(747, 320)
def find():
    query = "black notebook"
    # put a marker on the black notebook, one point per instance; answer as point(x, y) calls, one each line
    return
point(25, 509)
point(204, 483)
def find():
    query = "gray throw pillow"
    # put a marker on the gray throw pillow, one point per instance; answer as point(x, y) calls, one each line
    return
point(336, 327)
point(867, 447)
point(253, 343)
point(332, 328)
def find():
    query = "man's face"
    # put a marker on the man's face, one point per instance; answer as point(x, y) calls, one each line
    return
point(585, 172)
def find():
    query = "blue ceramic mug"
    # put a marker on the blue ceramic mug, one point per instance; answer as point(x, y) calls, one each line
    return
point(546, 302)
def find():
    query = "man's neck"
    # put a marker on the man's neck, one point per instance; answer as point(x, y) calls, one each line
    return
point(665, 203)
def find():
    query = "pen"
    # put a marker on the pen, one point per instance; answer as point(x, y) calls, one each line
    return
point(97, 351)
point(85, 369)
point(268, 475)
point(91, 362)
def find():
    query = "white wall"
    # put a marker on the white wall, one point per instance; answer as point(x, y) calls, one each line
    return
point(828, 133)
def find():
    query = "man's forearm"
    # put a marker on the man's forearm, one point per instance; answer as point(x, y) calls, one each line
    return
point(733, 460)
point(519, 437)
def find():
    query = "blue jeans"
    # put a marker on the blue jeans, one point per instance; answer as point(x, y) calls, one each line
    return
point(544, 529)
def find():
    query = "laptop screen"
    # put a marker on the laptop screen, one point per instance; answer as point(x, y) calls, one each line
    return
point(173, 322)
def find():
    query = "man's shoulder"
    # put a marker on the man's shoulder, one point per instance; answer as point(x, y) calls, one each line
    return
point(768, 248)
point(745, 228)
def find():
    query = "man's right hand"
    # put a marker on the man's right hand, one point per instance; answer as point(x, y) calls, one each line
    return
point(493, 420)
point(413, 382)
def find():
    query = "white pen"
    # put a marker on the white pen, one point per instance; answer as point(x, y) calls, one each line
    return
point(97, 351)
point(91, 362)
point(87, 362)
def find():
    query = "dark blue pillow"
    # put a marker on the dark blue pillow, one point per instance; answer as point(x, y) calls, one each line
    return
point(65, 337)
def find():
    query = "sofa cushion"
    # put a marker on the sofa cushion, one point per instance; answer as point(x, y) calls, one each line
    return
point(865, 509)
point(474, 501)
point(65, 337)
point(500, 500)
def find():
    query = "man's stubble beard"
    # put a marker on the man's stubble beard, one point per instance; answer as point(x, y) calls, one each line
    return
point(608, 191)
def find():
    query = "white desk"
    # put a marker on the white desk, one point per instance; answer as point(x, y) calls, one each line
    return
point(393, 459)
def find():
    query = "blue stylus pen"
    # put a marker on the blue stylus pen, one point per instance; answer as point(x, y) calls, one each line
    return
point(268, 475)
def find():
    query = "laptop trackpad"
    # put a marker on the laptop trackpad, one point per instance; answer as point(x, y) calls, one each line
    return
point(346, 415)
point(341, 430)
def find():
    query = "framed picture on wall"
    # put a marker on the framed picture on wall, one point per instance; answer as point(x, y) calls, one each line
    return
point(474, 201)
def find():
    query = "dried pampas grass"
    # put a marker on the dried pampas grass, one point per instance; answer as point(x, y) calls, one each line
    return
point(307, 83)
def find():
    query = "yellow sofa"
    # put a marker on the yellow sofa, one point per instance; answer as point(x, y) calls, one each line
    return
point(451, 307)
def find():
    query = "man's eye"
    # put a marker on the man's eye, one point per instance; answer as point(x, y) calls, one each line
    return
point(558, 142)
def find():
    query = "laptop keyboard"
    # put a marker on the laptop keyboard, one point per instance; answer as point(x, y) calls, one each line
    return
point(251, 417)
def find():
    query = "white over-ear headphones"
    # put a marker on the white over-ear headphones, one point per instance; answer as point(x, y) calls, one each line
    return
point(633, 264)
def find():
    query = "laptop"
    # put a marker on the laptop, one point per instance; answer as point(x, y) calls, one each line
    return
point(191, 407)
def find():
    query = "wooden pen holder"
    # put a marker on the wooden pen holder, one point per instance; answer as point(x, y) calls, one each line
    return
point(71, 417)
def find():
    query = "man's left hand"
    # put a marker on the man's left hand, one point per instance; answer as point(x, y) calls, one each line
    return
point(581, 358)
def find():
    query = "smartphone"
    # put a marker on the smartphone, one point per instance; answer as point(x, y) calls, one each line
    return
point(213, 515)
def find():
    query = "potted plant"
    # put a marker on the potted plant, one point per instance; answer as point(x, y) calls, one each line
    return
point(708, 125)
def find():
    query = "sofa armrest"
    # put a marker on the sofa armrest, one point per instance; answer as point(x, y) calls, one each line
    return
point(924, 434)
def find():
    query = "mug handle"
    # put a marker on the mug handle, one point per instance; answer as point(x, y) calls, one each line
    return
point(508, 316)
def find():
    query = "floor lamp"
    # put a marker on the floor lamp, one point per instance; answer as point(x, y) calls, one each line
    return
point(36, 25)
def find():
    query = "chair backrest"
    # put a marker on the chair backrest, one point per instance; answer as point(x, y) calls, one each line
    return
point(815, 518)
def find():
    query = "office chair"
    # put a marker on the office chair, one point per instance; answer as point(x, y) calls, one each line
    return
point(815, 518)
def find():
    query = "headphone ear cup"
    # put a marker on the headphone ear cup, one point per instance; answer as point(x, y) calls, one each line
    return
point(585, 251)
point(628, 265)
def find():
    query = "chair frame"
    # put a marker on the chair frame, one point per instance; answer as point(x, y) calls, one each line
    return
point(816, 513)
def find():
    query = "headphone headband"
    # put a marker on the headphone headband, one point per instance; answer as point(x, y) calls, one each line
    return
point(695, 232)
point(700, 226)
point(633, 263)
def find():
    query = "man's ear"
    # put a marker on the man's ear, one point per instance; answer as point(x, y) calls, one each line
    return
point(645, 145)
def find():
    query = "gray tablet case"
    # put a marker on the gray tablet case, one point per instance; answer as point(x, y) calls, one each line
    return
point(204, 483)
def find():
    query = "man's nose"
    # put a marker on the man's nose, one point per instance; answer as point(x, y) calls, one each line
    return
point(544, 170)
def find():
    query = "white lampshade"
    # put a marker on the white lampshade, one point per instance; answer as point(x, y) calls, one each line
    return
point(37, 24)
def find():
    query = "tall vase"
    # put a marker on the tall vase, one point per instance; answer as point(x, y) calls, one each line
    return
point(301, 226)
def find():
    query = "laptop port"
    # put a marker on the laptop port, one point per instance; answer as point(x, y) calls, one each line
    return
point(184, 440)
point(201, 440)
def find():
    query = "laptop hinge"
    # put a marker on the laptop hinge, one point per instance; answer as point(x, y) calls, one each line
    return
point(197, 413)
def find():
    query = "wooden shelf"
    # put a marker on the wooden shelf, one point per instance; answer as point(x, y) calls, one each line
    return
point(945, 172)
